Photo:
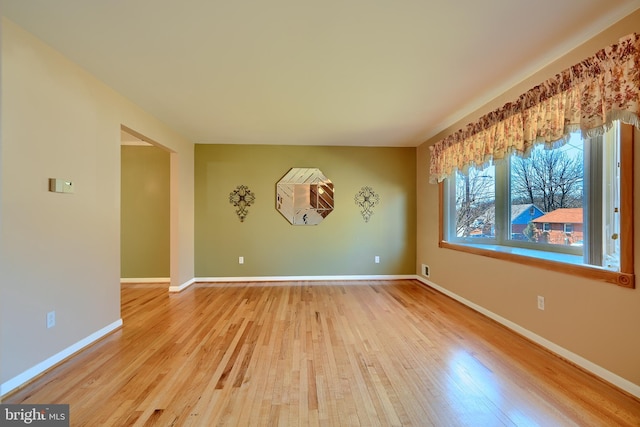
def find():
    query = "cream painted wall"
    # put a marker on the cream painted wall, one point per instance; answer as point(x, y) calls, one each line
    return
point(597, 321)
point(62, 251)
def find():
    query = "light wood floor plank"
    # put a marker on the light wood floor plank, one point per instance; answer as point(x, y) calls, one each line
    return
point(368, 353)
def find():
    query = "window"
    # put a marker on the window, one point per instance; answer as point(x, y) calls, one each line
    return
point(475, 204)
point(558, 206)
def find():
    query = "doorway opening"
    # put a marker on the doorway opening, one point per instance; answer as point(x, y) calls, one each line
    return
point(145, 207)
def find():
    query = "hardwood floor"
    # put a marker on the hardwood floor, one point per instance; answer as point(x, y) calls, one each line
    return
point(370, 353)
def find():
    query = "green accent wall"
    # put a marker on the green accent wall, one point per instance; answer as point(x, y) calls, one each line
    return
point(144, 212)
point(342, 244)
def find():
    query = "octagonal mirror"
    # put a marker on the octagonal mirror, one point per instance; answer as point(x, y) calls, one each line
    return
point(304, 196)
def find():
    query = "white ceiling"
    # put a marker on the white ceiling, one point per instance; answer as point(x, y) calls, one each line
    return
point(333, 72)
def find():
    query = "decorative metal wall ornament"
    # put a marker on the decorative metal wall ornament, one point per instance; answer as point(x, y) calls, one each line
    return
point(366, 198)
point(241, 198)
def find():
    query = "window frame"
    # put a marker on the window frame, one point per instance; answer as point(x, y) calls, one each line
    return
point(624, 278)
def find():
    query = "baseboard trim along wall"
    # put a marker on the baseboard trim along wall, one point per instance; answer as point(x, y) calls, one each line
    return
point(606, 375)
point(145, 280)
point(313, 280)
point(182, 287)
point(41, 367)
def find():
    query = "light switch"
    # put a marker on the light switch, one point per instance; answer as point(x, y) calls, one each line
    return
point(57, 185)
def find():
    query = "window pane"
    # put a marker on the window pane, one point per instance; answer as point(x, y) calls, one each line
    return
point(547, 195)
point(611, 199)
point(475, 203)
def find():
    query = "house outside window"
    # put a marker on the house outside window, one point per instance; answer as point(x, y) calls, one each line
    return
point(562, 226)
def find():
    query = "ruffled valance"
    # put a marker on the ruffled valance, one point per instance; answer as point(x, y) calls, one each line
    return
point(589, 96)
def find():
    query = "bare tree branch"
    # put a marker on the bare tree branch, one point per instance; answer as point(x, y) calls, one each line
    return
point(550, 179)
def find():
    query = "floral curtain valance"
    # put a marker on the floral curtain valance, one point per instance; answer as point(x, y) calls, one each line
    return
point(588, 96)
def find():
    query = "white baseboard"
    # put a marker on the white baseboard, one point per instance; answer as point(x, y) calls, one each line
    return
point(259, 279)
point(41, 367)
point(599, 371)
point(182, 287)
point(311, 279)
point(145, 280)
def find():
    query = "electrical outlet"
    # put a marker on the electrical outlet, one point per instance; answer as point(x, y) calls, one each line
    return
point(241, 260)
point(540, 302)
point(425, 270)
point(51, 319)
point(376, 259)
